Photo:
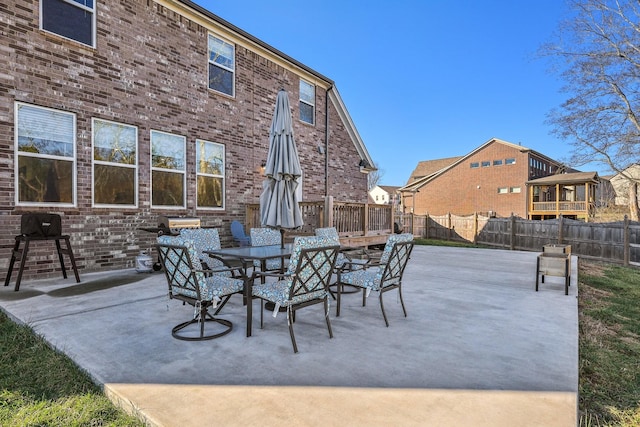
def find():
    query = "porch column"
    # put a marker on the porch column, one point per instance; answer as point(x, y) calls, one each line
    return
point(557, 200)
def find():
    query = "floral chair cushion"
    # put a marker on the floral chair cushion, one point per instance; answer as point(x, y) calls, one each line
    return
point(304, 280)
point(205, 239)
point(266, 237)
point(404, 237)
point(372, 278)
point(332, 234)
point(195, 283)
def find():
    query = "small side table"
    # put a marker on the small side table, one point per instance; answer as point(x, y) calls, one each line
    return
point(554, 264)
point(21, 254)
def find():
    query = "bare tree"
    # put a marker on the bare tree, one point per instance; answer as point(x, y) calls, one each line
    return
point(374, 177)
point(598, 55)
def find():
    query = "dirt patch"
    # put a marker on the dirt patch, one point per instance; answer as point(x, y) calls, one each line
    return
point(592, 268)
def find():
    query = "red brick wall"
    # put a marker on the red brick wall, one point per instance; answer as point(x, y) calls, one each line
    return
point(463, 190)
point(149, 69)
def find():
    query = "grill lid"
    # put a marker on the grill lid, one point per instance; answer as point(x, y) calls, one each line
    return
point(176, 222)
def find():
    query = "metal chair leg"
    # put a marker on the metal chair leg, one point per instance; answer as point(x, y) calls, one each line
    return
point(326, 316)
point(290, 322)
point(382, 308)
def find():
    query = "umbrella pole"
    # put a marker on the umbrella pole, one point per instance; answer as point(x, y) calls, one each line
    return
point(282, 238)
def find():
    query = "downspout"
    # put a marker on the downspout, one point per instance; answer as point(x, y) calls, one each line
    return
point(326, 143)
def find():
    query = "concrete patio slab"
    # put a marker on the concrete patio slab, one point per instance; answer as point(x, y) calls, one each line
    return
point(479, 348)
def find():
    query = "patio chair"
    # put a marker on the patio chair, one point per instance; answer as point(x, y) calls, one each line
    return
point(305, 282)
point(191, 284)
point(237, 231)
point(206, 239)
point(381, 276)
point(346, 254)
point(266, 237)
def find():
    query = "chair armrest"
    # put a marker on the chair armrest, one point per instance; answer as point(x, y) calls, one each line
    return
point(269, 274)
point(352, 266)
point(235, 271)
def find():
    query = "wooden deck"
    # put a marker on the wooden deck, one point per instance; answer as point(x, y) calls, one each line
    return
point(358, 224)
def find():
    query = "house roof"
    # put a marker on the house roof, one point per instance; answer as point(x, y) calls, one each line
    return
point(566, 178)
point(419, 182)
point(333, 93)
point(429, 167)
point(390, 189)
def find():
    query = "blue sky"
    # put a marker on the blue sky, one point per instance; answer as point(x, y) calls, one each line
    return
point(423, 79)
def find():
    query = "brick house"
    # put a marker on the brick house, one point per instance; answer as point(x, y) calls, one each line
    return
point(115, 112)
point(490, 180)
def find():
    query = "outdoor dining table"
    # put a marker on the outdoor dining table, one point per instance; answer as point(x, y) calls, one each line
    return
point(246, 255)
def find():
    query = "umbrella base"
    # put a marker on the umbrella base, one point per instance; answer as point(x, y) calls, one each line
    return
point(270, 306)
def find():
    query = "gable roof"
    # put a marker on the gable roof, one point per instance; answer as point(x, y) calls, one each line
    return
point(273, 53)
point(418, 183)
point(429, 167)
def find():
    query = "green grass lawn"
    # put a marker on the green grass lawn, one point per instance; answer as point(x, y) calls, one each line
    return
point(42, 387)
point(609, 343)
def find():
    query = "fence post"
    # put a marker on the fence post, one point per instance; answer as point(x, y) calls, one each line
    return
point(413, 218)
point(512, 243)
point(365, 219)
point(393, 219)
point(328, 212)
point(626, 245)
point(560, 229)
point(475, 227)
point(426, 225)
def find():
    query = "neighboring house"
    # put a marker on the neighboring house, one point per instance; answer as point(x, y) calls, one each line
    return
point(620, 184)
point(115, 112)
point(605, 193)
point(572, 195)
point(386, 195)
point(490, 180)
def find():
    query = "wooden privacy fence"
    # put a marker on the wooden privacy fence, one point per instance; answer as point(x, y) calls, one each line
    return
point(443, 227)
point(617, 242)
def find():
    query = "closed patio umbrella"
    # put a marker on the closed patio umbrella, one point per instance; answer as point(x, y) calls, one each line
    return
point(279, 207)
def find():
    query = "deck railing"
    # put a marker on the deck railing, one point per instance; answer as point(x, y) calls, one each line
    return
point(560, 206)
point(350, 219)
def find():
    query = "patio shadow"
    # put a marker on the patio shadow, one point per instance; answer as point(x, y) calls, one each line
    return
point(98, 284)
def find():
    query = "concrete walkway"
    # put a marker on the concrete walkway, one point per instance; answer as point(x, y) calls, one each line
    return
point(479, 348)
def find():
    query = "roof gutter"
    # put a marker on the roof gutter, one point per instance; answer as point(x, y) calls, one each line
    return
point(326, 141)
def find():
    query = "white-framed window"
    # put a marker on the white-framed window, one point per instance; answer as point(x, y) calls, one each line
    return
point(210, 165)
point(168, 170)
point(497, 162)
point(503, 190)
point(115, 164)
point(222, 65)
point(486, 163)
point(474, 165)
point(510, 161)
point(307, 102)
point(45, 156)
point(71, 19)
point(514, 190)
